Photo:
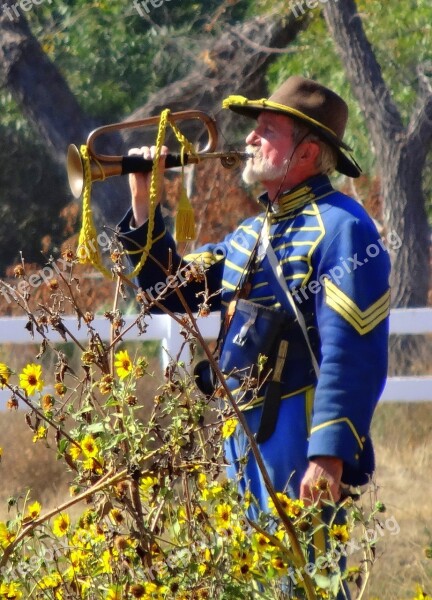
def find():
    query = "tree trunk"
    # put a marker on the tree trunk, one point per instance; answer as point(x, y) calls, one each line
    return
point(47, 101)
point(38, 87)
point(401, 187)
point(401, 155)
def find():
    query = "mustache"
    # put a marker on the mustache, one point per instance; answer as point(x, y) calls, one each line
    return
point(253, 151)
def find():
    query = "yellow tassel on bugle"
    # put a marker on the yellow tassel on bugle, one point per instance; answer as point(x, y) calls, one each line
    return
point(185, 220)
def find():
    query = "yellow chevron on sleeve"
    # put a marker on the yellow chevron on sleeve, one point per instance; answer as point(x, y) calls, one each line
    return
point(363, 321)
point(248, 230)
point(206, 258)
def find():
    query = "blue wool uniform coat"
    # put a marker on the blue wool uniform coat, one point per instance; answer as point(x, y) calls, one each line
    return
point(337, 268)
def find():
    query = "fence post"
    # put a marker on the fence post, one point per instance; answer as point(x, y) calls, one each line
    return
point(172, 344)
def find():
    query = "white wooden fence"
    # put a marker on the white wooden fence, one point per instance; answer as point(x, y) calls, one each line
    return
point(161, 327)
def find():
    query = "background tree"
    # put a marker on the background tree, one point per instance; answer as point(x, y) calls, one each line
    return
point(112, 60)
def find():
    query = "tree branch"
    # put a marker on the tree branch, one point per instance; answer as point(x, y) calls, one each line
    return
point(228, 64)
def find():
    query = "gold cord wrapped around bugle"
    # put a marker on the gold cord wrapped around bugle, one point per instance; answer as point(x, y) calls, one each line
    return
point(103, 166)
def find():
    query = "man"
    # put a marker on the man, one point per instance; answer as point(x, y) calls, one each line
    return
point(336, 268)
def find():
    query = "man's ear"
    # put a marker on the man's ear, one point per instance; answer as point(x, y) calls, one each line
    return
point(309, 151)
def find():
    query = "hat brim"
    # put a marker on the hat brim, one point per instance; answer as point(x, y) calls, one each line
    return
point(345, 165)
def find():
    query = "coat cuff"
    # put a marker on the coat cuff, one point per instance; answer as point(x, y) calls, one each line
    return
point(338, 438)
point(134, 239)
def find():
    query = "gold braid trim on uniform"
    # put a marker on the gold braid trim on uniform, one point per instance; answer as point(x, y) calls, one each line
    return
point(340, 420)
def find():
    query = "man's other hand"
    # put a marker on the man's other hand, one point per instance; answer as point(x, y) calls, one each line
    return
point(322, 480)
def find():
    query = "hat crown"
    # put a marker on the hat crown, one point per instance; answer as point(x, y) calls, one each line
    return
point(314, 100)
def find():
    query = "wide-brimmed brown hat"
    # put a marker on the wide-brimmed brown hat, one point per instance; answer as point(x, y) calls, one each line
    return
point(305, 100)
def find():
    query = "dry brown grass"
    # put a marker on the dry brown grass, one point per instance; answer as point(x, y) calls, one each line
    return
point(404, 464)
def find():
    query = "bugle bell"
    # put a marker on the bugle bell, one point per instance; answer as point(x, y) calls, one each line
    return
point(103, 166)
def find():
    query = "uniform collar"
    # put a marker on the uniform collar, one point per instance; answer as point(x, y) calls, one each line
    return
point(291, 200)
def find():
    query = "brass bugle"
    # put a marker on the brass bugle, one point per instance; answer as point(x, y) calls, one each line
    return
point(103, 166)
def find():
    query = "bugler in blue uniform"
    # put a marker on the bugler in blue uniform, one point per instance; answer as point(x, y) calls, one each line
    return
point(337, 269)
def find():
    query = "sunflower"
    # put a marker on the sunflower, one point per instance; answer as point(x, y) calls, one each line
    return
point(89, 446)
point(293, 508)
point(228, 428)
point(114, 593)
point(47, 402)
point(340, 533)
point(31, 379)
point(74, 451)
point(34, 510)
point(223, 515)
point(10, 590)
point(6, 536)
point(5, 373)
point(61, 525)
point(123, 364)
point(40, 433)
point(116, 516)
point(279, 565)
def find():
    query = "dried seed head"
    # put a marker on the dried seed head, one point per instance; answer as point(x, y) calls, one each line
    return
point(322, 484)
point(106, 384)
point(88, 317)
point(60, 389)
point(121, 489)
point(42, 320)
point(88, 357)
point(53, 284)
point(47, 402)
point(116, 256)
point(131, 400)
point(137, 590)
point(68, 254)
point(304, 525)
point(121, 542)
point(18, 271)
point(12, 403)
point(204, 310)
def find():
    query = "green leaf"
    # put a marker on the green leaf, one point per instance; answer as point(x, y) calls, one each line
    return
point(95, 428)
point(322, 581)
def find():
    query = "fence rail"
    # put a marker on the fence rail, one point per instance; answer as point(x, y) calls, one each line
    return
point(161, 327)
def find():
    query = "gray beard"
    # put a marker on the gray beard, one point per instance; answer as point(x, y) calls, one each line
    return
point(259, 169)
